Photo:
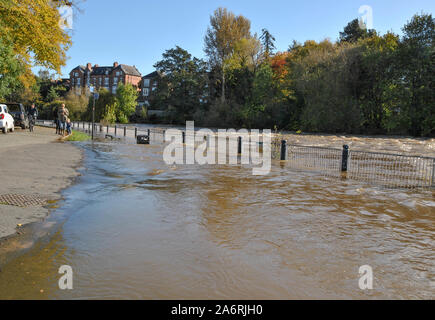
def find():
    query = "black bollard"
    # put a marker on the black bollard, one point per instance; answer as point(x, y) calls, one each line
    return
point(239, 143)
point(184, 136)
point(345, 158)
point(283, 150)
point(107, 129)
point(115, 130)
point(125, 131)
point(135, 132)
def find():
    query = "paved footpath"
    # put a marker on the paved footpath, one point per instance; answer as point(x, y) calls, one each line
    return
point(33, 167)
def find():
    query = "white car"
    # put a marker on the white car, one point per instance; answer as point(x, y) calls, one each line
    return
point(6, 120)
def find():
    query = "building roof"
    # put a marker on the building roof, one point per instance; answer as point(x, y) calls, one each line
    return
point(130, 70)
point(82, 68)
point(152, 75)
point(98, 71)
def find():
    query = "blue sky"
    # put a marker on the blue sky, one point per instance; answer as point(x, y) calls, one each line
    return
point(137, 32)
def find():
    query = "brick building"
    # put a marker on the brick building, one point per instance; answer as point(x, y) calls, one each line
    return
point(147, 87)
point(83, 77)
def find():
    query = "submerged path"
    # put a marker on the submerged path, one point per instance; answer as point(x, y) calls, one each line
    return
point(135, 228)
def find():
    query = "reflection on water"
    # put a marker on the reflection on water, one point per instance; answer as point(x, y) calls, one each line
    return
point(135, 228)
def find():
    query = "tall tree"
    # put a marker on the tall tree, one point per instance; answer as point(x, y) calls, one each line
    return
point(33, 29)
point(354, 31)
point(184, 87)
point(246, 53)
point(417, 57)
point(225, 30)
point(268, 42)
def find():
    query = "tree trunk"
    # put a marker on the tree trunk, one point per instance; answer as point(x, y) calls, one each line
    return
point(223, 86)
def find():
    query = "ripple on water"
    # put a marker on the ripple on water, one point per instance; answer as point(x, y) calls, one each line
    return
point(137, 228)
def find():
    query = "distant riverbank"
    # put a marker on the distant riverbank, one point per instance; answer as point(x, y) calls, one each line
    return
point(396, 144)
point(34, 166)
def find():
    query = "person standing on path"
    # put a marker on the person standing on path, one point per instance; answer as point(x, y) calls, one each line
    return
point(68, 126)
point(62, 116)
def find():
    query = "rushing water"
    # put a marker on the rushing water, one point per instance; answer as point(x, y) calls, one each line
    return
point(134, 228)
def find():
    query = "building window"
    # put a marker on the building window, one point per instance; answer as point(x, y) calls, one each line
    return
point(113, 89)
point(78, 82)
point(115, 80)
point(99, 81)
point(106, 81)
point(146, 82)
point(118, 73)
point(146, 92)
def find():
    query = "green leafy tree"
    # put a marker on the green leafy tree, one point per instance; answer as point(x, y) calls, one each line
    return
point(52, 94)
point(109, 116)
point(325, 75)
point(377, 84)
point(354, 31)
point(76, 105)
point(126, 99)
point(226, 29)
point(184, 87)
point(10, 70)
point(416, 63)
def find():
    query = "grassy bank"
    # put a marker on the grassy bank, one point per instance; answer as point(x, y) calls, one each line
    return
point(78, 136)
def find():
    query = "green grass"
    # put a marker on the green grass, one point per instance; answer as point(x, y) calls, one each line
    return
point(78, 136)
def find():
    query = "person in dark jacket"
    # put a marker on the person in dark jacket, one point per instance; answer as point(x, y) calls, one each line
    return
point(56, 121)
point(33, 115)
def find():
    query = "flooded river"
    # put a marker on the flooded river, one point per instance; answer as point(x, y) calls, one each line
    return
point(135, 228)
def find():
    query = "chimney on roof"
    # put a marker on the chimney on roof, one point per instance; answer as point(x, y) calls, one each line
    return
point(89, 66)
point(96, 66)
point(115, 64)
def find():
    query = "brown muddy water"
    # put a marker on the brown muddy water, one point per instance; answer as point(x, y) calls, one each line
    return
point(134, 228)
